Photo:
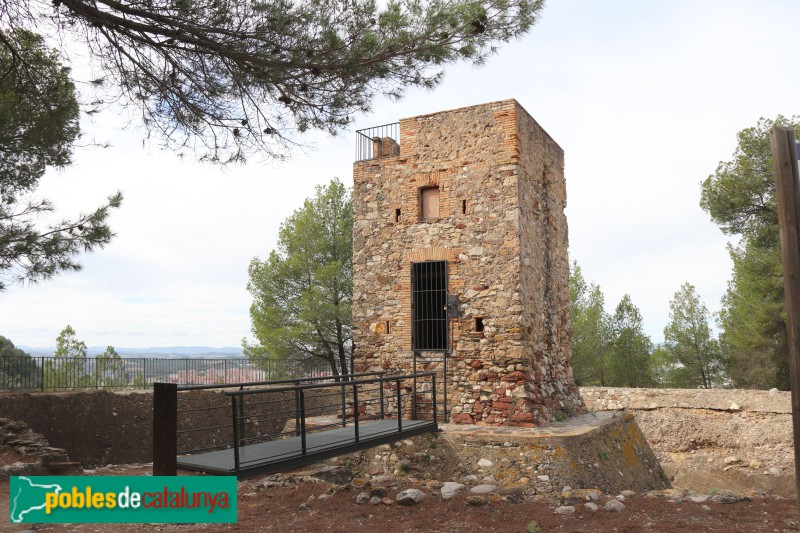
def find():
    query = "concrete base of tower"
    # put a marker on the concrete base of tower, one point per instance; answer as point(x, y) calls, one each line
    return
point(605, 451)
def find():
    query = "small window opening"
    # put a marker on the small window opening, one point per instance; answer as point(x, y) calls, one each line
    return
point(429, 203)
point(463, 207)
point(397, 215)
point(387, 327)
point(479, 324)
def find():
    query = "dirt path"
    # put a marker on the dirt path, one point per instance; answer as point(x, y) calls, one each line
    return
point(294, 505)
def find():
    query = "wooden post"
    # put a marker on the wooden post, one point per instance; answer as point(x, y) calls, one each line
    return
point(165, 429)
point(787, 192)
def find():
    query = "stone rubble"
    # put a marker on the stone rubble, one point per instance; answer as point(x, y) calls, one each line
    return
point(38, 457)
point(570, 501)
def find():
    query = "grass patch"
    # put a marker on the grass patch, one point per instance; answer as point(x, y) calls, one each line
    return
point(533, 527)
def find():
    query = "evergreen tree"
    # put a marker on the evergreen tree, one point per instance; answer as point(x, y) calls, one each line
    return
point(590, 330)
point(237, 76)
point(67, 369)
point(689, 344)
point(303, 292)
point(17, 367)
point(740, 197)
point(110, 369)
point(629, 361)
point(664, 369)
point(38, 125)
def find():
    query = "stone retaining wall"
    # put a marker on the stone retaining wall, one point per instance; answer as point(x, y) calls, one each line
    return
point(97, 428)
point(707, 439)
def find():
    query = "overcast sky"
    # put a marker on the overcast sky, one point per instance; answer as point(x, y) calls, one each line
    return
point(645, 98)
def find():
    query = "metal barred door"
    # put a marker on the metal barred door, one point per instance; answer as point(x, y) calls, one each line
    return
point(429, 328)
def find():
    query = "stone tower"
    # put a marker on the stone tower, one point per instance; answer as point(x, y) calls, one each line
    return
point(467, 212)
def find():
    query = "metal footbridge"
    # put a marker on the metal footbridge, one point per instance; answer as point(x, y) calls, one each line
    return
point(272, 426)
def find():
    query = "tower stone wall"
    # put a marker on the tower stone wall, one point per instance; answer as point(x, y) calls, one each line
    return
point(502, 230)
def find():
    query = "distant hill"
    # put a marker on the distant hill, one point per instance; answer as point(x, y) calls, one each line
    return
point(169, 352)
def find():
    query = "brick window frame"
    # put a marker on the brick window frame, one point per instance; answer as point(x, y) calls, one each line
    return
point(429, 203)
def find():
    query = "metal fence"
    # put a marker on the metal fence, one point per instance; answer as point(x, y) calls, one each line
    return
point(378, 141)
point(51, 373)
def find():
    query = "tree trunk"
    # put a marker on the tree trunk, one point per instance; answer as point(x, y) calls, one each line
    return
point(332, 361)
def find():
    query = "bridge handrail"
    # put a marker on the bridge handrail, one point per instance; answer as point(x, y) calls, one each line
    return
point(272, 382)
point(391, 377)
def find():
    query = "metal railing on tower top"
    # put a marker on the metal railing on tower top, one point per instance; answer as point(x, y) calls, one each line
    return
point(378, 141)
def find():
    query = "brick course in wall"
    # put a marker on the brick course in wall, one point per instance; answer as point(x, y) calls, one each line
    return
point(502, 230)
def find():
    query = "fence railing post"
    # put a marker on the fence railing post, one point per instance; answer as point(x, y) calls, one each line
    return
point(435, 408)
point(243, 422)
point(383, 399)
point(355, 409)
point(297, 421)
point(165, 429)
point(414, 397)
point(235, 413)
point(302, 419)
point(399, 407)
point(344, 406)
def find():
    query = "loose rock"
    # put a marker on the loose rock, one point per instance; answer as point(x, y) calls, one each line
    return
point(483, 489)
point(476, 501)
point(565, 509)
point(614, 506)
point(410, 497)
point(450, 489)
point(728, 496)
point(380, 492)
point(591, 506)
